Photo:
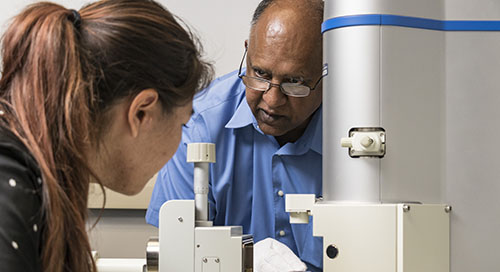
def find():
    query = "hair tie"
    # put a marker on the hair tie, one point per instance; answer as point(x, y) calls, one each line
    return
point(75, 18)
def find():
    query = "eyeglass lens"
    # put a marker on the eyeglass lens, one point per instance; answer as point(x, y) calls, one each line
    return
point(291, 89)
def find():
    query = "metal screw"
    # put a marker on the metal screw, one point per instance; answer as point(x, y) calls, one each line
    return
point(447, 209)
point(180, 219)
point(217, 260)
point(205, 260)
point(406, 208)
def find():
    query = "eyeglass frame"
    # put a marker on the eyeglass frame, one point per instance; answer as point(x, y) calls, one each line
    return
point(270, 84)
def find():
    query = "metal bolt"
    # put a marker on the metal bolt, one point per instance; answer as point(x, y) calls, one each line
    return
point(180, 219)
point(366, 141)
point(217, 260)
point(205, 260)
point(447, 209)
point(406, 208)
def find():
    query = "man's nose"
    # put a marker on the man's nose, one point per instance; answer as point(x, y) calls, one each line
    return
point(274, 97)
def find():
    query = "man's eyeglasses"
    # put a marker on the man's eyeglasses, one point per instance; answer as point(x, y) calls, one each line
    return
point(288, 88)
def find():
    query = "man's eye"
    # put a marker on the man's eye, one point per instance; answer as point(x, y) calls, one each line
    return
point(297, 81)
point(260, 73)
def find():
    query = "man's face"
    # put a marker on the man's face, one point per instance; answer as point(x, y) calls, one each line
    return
point(283, 49)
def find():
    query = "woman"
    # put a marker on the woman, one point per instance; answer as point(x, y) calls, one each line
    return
point(96, 95)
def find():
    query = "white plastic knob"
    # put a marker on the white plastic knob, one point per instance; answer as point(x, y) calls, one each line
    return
point(200, 152)
point(346, 142)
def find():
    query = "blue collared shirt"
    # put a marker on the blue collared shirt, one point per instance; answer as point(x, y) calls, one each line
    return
point(252, 172)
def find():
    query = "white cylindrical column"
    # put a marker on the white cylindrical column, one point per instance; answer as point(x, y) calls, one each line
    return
point(201, 154)
point(351, 99)
point(201, 190)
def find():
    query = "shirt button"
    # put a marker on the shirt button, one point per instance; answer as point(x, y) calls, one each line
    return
point(280, 193)
point(282, 233)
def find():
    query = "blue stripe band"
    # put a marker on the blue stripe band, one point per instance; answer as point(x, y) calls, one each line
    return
point(406, 21)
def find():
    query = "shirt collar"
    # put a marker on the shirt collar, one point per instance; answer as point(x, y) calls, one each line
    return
point(242, 117)
point(310, 140)
point(317, 127)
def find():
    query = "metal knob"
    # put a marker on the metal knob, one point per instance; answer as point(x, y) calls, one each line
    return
point(152, 254)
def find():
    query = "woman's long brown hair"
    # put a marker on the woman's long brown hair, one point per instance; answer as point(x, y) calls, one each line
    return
point(60, 76)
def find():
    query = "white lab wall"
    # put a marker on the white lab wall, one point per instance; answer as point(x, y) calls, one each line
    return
point(472, 10)
point(222, 26)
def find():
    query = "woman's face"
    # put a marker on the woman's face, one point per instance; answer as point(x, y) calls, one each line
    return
point(140, 139)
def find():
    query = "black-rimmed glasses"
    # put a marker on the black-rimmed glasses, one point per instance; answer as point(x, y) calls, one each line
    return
point(288, 88)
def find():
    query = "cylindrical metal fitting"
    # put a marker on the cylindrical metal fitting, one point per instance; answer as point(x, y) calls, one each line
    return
point(152, 254)
point(201, 154)
point(201, 190)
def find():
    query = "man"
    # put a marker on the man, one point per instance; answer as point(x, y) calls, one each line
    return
point(266, 124)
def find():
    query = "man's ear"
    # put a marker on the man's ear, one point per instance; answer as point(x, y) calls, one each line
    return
point(141, 110)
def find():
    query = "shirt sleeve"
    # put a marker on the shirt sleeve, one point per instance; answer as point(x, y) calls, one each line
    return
point(19, 217)
point(175, 179)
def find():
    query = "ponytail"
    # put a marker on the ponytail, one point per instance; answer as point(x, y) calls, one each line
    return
point(62, 70)
point(44, 83)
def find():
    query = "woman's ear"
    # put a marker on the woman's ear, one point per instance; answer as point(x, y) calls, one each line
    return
point(141, 110)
